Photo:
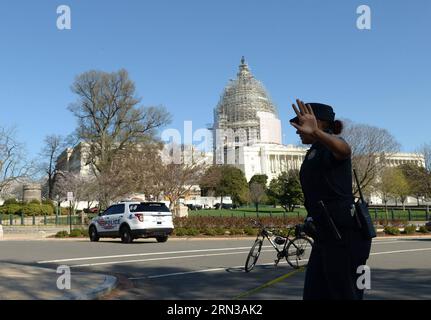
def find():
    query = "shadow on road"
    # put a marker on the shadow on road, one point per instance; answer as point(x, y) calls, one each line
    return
point(231, 282)
point(403, 284)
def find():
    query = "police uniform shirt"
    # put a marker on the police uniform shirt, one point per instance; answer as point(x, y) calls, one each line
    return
point(324, 178)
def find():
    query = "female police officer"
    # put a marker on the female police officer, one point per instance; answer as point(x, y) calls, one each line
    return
point(326, 179)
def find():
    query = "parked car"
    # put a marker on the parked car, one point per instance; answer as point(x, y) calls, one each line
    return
point(194, 207)
point(132, 220)
point(92, 210)
point(227, 206)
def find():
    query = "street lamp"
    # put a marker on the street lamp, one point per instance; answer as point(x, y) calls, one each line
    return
point(57, 208)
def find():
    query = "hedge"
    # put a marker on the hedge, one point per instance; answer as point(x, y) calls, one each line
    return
point(203, 223)
point(391, 230)
point(29, 209)
point(410, 229)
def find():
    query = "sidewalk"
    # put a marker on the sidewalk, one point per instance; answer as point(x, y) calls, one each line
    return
point(21, 282)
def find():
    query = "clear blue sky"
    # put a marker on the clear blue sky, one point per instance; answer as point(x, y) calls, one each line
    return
point(182, 53)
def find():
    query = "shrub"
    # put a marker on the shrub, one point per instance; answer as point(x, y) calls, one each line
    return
point(233, 222)
point(10, 201)
point(75, 233)
point(410, 229)
point(391, 230)
point(34, 201)
point(14, 209)
point(220, 231)
point(84, 233)
point(250, 231)
point(180, 232)
point(236, 231)
point(192, 232)
point(62, 234)
point(37, 209)
point(49, 203)
point(423, 229)
point(209, 232)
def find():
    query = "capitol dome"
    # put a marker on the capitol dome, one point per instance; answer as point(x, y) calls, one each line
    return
point(243, 98)
point(246, 105)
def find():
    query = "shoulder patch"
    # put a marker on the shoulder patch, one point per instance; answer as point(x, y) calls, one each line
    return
point(312, 154)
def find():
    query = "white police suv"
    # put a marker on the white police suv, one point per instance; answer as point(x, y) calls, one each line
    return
point(132, 220)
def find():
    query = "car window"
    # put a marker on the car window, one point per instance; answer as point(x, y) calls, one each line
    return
point(117, 209)
point(108, 211)
point(149, 207)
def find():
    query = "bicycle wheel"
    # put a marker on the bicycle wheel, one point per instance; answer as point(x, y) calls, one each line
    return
point(253, 255)
point(298, 252)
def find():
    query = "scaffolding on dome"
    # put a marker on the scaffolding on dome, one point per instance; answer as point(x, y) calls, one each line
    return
point(240, 103)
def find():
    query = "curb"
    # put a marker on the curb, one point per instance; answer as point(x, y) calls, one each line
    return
point(109, 284)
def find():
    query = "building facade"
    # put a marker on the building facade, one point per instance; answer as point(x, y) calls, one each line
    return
point(74, 160)
point(247, 132)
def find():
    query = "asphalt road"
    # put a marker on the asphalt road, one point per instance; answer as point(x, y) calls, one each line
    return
point(213, 269)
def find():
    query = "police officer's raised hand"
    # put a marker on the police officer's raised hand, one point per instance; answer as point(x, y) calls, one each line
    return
point(307, 123)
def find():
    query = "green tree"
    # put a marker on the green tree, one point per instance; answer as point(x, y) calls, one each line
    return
point(387, 186)
point(225, 181)
point(260, 179)
point(401, 188)
point(257, 189)
point(286, 190)
point(416, 177)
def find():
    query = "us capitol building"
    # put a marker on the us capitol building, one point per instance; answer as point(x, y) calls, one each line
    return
point(247, 131)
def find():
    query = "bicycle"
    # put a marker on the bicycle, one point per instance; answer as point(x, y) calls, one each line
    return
point(296, 251)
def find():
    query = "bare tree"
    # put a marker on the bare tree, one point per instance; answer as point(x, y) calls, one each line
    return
point(425, 178)
point(13, 164)
point(177, 180)
point(71, 182)
point(425, 151)
point(371, 147)
point(109, 118)
point(53, 146)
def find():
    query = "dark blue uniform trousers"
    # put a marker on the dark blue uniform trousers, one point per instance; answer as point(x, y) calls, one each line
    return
point(332, 269)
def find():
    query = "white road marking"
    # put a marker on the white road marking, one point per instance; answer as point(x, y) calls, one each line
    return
point(400, 251)
point(175, 252)
point(158, 259)
point(265, 264)
point(144, 254)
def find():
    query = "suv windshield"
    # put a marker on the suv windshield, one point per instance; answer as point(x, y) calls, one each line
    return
point(149, 207)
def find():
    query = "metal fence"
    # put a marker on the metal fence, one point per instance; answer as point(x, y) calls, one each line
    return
point(376, 213)
point(46, 220)
point(409, 214)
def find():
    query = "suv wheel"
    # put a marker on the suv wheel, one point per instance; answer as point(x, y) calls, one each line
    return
point(162, 239)
point(126, 235)
point(94, 237)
